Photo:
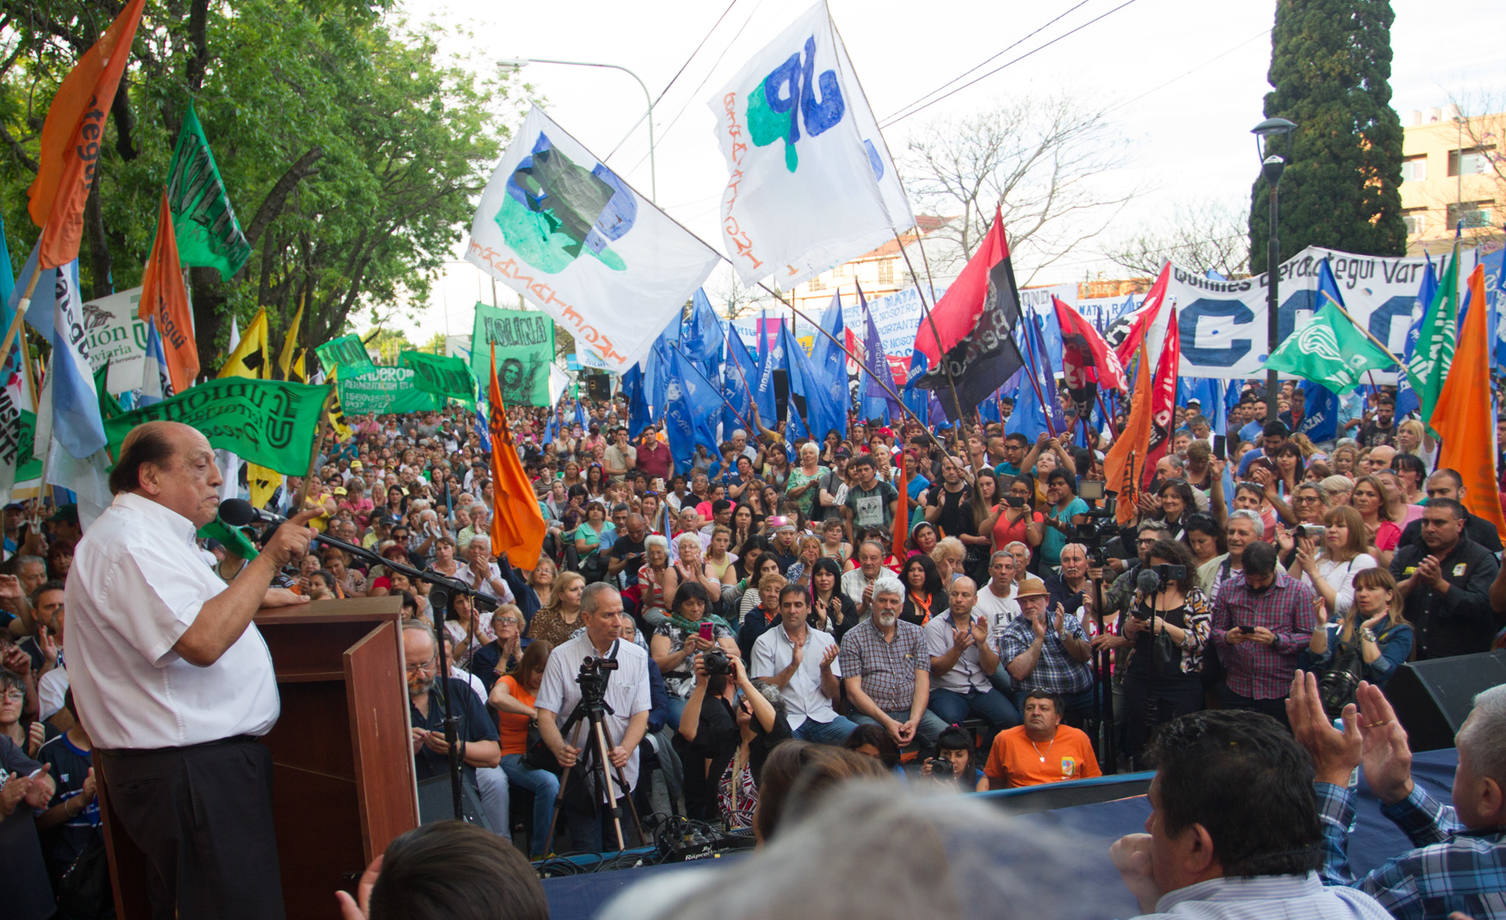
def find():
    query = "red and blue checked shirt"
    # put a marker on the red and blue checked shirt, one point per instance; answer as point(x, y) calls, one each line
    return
point(1257, 671)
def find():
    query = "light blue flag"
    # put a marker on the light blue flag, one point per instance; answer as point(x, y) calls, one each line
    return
point(1495, 294)
point(57, 306)
point(703, 336)
point(156, 381)
point(679, 416)
point(739, 375)
point(580, 416)
point(7, 312)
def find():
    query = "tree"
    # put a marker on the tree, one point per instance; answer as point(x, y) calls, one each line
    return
point(1330, 73)
point(350, 153)
point(1204, 236)
point(1035, 159)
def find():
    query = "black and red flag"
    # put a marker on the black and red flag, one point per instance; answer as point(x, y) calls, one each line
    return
point(973, 322)
point(1087, 360)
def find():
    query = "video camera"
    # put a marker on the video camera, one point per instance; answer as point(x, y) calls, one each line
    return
point(1101, 527)
point(592, 679)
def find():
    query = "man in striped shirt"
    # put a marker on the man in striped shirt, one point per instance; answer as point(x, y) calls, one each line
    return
point(1262, 618)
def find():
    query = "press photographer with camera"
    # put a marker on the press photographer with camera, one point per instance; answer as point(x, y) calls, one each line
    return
point(690, 629)
point(596, 665)
point(1166, 634)
point(953, 763)
point(1367, 640)
point(725, 733)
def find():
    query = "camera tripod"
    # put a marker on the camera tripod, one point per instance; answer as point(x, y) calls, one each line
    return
point(596, 756)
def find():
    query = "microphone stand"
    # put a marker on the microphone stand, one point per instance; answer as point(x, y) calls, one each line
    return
point(442, 593)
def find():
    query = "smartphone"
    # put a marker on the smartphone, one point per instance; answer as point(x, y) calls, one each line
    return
point(706, 631)
point(1220, 446)
point(1014, 501)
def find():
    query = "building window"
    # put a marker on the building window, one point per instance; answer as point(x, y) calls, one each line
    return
point(1473, 214)
point(818, 283)
point(1413, 218)
point(1470, 161)
point(886, 271)
point(1414, 169)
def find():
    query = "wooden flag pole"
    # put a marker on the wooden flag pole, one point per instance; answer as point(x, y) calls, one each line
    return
point(1373, 340)
point(22, 306)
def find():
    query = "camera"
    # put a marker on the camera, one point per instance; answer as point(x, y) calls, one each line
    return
point(941, 767)
point(593, 679)
point(1316, 531)
point(1170, 572)
point(1014, 501)
point(716, 662)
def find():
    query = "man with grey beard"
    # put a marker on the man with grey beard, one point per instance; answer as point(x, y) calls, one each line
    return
point(887, 673)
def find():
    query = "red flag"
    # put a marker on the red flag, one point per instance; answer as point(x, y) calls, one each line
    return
point(901, 528)
point(1129, 330)
point(1463, 418)
point(71, 138)
point(518, 527)
point(165, 300)
point(1163, 400)
point(1087, 360)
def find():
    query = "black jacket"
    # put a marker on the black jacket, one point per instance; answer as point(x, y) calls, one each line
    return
point(1458, 621)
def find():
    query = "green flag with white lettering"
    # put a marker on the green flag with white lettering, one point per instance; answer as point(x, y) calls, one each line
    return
point(1435, 346)
point(345, 356)
point(446, 377)
point(269, 422)
point(1329, 350)
point(203, 221)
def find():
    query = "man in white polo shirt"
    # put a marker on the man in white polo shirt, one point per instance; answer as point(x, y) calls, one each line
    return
point(800, 661)
point(174, 681)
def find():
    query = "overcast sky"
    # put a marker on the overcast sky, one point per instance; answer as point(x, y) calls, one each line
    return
point(1182, 82)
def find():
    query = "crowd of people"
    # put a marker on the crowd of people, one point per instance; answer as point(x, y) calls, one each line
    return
point(971, 618)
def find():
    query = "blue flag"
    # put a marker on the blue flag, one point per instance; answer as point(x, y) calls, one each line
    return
point(1495, 293)
point(774, 359)
point(739, 376)
point(824, 397)
point(703, 336)
point(827, 360)
point(1407, 400)
point(1029, 416)
point(679, 415)
point(1321, 419)
point(632, 388)
point(875, 400)
point(580, 416)
point(7, 287)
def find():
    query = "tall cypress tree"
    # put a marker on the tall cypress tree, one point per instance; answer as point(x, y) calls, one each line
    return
point(1331, 71)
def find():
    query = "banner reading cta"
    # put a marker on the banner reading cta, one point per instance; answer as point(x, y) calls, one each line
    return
point(384, 391)
point(447, 378)
point(524, 343)
point(268, 422)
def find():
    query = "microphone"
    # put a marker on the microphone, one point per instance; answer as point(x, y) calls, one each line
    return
point(237, 512)
point(1147, 581)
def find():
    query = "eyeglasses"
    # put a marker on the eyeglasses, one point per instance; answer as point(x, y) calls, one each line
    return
point(426, 667)
point(14, 695)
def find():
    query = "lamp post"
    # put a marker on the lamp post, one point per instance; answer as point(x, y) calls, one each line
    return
point(653, 183)
point(1272, 140)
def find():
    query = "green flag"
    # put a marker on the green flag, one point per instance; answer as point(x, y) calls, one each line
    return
point(236, 542)
point(203, 221)
point(345, 356)
point(1329, 350)
point(269, 422)
point(444, 377)
point(1435, 346)
point(386, 390)
point(524, 342)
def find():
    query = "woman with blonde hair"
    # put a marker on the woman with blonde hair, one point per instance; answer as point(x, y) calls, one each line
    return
point(1330, 563)
point(950, 556)
point(1367, 642)
point(1372, 499)
point(558, 621)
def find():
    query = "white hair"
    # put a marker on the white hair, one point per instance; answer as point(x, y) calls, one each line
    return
point(1484, 734)
point(888, 584)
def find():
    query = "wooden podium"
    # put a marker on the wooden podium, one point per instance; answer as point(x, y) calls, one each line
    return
point(343, 782)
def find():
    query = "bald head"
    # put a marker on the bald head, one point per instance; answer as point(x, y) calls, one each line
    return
point(172, 464)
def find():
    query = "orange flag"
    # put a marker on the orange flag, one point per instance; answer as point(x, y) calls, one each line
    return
point(1463, 418)
point(165, 300)
point(902, 510)
point(1124, 466)
point(517, 523)
point(71, 138)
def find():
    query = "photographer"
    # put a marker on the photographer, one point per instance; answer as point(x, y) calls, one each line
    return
point(1167, 635)
point(1326, 558)
point(953, 763)
point(690, 629)
point(724, 740)
point(626, 692)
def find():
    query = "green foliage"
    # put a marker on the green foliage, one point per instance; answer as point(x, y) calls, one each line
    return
point(1330, 69)
point(351, 151)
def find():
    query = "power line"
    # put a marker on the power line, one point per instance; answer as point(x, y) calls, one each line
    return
point(986, 61)
point(1070, 32)
point(701, 44)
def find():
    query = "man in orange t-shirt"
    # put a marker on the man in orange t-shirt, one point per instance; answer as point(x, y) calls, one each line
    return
point(1040, 751)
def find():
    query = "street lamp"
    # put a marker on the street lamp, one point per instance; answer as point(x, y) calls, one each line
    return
point(653, 183)
point(1272, 141)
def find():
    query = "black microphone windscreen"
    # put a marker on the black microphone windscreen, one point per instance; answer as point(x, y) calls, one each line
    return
point(1147, 581)
point(237, 512)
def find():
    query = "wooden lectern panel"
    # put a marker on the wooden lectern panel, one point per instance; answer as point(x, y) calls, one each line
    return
point(343, 783)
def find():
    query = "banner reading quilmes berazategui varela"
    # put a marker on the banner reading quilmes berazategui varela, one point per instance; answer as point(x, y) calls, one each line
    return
point(524, 342)
point(383, 391)
point(1223, 323)
point(560, 228)
point(268, 422)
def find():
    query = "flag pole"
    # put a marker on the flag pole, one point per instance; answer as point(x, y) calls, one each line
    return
point(718, 389)
point(1373, 340)
point(303, 487)
point(925, 309)
point(22, 306)
point(886, 385)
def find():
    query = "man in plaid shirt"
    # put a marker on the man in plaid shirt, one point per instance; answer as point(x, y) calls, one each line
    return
point(1459, 863)
point(887, 673)
point(1261, 619)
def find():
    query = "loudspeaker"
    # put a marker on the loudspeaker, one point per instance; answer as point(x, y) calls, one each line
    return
point(1432, 698)
point(598, 387)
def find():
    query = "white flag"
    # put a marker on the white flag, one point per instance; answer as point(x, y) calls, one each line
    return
point(560, 228)
point(812, 183)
